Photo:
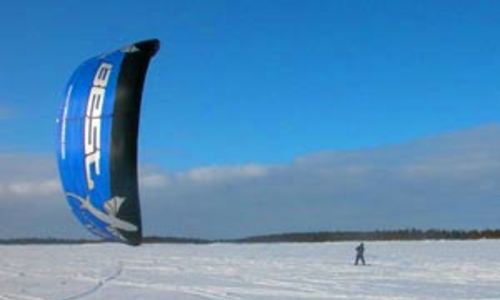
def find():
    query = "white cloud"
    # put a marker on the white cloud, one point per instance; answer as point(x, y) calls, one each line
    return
point(31, 200)
point(32, 188)
point(210, 175)
point(154, 180)
point(28, 176)
point(223, 173)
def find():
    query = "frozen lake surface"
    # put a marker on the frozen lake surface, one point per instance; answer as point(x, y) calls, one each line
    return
point(397, 270)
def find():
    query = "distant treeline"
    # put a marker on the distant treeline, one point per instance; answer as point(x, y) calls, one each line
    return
point(378, 235)
point(305, 237)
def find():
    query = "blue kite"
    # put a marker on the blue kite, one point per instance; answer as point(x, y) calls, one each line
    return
point(97, 132)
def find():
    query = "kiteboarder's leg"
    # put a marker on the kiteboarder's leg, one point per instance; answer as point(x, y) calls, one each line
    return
point(357, 260)
point(362, 259)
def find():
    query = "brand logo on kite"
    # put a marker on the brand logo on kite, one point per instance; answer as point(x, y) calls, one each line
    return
point(109, 215)
point(92, 131)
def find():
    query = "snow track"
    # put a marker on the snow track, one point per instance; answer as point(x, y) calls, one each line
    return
point(398, 271)
point(97, 286)
point(9, 296)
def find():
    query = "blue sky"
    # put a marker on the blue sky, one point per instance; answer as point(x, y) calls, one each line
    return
point(349, 114)
point(261, 81)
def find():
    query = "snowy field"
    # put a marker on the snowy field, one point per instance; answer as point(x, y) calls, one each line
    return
point(396, 270)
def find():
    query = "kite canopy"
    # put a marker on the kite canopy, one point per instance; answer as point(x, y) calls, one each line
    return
point(97, 141)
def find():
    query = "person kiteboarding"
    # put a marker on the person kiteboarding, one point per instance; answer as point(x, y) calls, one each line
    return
point(360, 254)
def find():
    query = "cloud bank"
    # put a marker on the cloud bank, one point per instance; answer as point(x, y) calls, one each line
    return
point(447, 181)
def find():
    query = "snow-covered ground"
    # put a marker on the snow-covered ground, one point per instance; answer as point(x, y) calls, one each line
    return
point(396, 270)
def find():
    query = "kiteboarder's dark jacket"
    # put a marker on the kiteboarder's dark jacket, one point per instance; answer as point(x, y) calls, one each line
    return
point(360, 249)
